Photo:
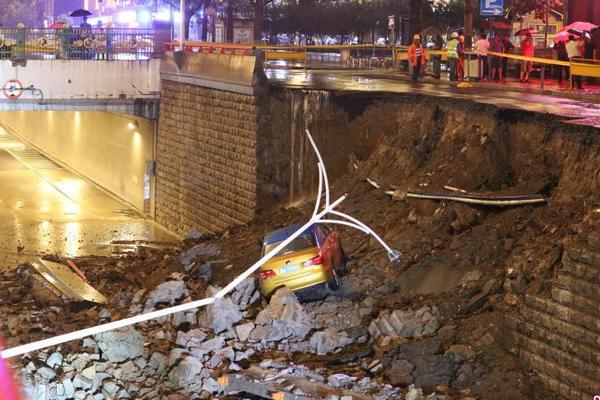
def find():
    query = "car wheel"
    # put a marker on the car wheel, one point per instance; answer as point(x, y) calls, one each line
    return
point(334, 284)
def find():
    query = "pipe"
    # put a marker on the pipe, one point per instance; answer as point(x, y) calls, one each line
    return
point(500, 201)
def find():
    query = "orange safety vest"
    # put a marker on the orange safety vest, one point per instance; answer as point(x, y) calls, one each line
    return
point(412, 55)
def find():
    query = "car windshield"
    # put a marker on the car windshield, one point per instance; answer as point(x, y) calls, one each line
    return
point(300, 243)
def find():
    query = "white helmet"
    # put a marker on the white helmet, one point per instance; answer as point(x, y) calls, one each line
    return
point(454, 35)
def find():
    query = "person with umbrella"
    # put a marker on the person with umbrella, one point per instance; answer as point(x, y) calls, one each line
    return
point(561, 55)
point(528, 51)
point(574, 51)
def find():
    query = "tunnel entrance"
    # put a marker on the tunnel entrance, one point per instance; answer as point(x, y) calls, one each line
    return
point(74, 183)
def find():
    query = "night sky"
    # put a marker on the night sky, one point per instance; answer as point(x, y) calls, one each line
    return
point(66, 6)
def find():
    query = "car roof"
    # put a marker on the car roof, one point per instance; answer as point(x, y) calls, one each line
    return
point(281, 234)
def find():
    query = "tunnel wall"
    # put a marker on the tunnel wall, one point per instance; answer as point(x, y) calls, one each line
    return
point(100, 146)
point(84, 79)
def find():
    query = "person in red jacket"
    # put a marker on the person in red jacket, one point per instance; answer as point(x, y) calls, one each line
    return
point(416, 56)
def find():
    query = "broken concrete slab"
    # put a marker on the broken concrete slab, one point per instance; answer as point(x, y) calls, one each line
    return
point(60, 280)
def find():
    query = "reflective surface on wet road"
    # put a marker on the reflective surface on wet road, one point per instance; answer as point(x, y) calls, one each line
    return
point(46, 209)
point(576, 111)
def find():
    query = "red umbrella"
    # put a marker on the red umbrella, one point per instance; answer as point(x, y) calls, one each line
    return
point(580, 26)
point(57, 25)
point(563, 36)
point(527, 32)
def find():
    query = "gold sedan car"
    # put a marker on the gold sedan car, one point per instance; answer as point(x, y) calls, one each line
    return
point(313, 258)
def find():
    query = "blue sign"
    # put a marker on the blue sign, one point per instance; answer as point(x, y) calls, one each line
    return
point(492, 8)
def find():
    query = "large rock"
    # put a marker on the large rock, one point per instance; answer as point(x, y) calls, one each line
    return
point(283, 318)
point(223, 314)
point(329, 340)
point(409, 324)
point(186, 371)
point(399, 374)
point(245, 294)
point(167, 292)
point(121, 345)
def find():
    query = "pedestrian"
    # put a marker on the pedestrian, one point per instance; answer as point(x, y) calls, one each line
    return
point(454, 52)
point(526, 65)
point(482, 47)
point(85, 24)
point(574, 51)
point(461, 58)
point(509, 48)
point(437, 58)
point(497, 46)
point(416, 56)
point(561, 55)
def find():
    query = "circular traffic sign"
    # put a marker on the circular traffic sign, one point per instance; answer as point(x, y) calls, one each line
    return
point(13, 89)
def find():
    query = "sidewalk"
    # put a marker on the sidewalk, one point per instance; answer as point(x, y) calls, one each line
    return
point(551, 87)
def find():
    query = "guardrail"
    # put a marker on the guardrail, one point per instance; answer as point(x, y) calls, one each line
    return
point(310, 56)
point(77, 44)
point(366, 57)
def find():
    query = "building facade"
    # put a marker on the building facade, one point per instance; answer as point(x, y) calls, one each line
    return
point(584, 10)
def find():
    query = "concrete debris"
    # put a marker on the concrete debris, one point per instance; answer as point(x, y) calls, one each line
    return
point(329, 340)
point(167, 292)
point(120, 345)
point(283, 319)
point(223, 314)
point(202, 250)
point(194, 234)
point(409, 324)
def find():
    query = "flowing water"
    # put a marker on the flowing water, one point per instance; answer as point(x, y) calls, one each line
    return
point(309, 109)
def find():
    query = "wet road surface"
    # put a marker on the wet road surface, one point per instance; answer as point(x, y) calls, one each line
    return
point(582, 112)
point(46, 209)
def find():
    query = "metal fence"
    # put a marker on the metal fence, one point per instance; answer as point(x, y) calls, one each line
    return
point(77, 44)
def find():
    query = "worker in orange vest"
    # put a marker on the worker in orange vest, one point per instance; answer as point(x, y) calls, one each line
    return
point(416, 56)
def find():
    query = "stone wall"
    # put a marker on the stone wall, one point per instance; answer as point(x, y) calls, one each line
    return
point(557, 336)
point(206, 158)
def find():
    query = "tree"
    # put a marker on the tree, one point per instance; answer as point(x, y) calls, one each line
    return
point(29, 12)
point(539, 7)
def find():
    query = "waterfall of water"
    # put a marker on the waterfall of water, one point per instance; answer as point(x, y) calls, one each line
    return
point(308, 110)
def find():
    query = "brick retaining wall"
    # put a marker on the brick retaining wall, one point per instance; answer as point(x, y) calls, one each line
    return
point(206, 158)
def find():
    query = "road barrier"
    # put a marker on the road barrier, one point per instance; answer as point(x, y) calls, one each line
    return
point(315, 56)
point(366, 56)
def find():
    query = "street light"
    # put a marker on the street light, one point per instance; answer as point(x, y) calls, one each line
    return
point(181, 23)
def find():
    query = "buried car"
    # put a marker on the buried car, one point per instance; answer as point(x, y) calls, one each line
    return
point(312, 259)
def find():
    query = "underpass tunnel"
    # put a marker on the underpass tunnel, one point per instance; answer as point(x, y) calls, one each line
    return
point(75, 183)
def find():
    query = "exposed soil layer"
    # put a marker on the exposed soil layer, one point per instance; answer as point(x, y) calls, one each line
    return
point(473, 263)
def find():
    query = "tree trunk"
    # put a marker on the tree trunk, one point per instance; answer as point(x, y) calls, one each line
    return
point(468, 23)
point(416, 14)
point(259, 16)
point(204, 32)
point(229, 24)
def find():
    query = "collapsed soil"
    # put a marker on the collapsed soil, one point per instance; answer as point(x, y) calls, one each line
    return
point(450, 250)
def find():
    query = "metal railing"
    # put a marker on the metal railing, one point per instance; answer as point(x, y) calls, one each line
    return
point(334, 56)
point(77, 44)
